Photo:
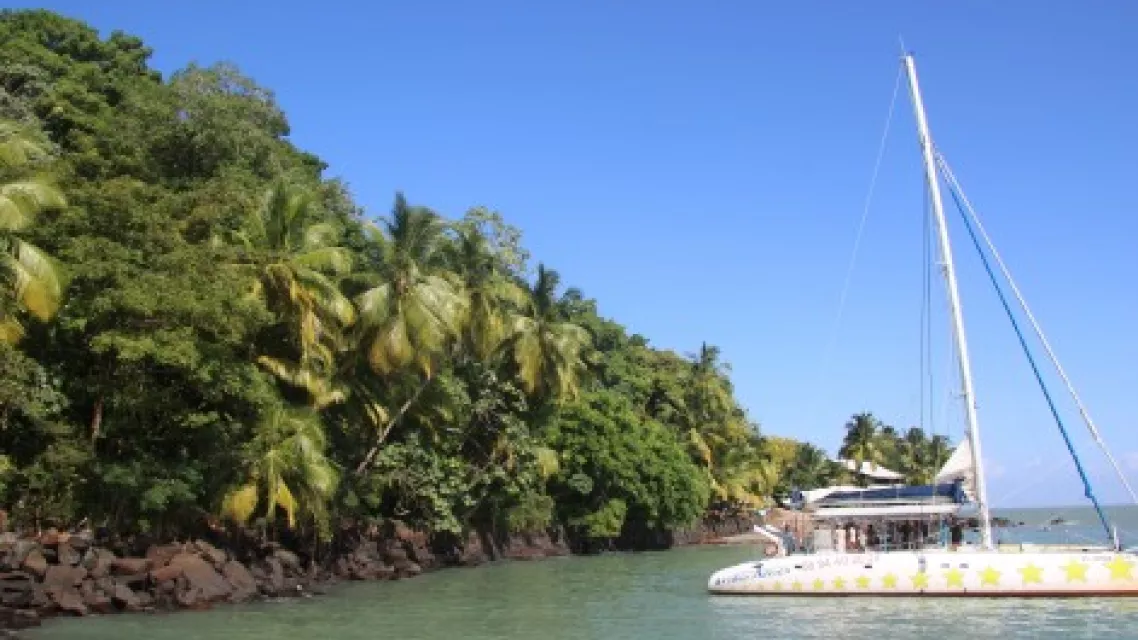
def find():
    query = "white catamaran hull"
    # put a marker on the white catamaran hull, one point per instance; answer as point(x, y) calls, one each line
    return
point(935, 573)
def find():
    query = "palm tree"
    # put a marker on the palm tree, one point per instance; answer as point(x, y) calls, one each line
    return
point(914, 452)
point(812, 468)
point(411, 312)
point(891, 445)
point(286, 469)
point(861, 443)
point(30, 281)
point(293, 260)
point(938, 452)
point(711, 396)
point(745, 476)
point(415, 307)
point(547, 350)
point(490, 293)
point(714, 424)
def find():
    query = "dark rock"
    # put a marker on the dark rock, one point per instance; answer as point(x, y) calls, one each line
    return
point(371, 570)
point(16, 589)
point(52, 537)
point(35, 563)
point(160, 555)
point(68, 600)
point(125, 599)
point(98, 562)
point(393, 553)
point(210, 553)
point(288, 559)
point(273, 582)
point(50, 554)
point(40, 599)
point(368, 550)
point(18, 619)
point(20, 551)
point(202, 580)
point(165, 574)
point(59, 575)
point(129, 566)
point(66, 555)
point(95, 600)
point(80, 541)
point(407, 568)
point(137, 580)
point(239, 578)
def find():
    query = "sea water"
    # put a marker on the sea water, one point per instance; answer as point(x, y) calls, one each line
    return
point(657, 595)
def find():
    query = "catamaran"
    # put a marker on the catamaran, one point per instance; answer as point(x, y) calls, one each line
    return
point(916, 547)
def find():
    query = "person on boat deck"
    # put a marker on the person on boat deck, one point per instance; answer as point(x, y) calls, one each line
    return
point(854, 543)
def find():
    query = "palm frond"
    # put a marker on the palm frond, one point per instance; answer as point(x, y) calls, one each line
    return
point(35, 282)
point(324, 392)
point(240, 503)
point(319, 236)
point(21, 201)
point(20, 146)
point(11, 331)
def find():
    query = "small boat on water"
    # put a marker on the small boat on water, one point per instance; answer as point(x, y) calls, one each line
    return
point(898, 540)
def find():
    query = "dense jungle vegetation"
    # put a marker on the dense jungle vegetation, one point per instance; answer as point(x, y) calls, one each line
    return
point(197, 323)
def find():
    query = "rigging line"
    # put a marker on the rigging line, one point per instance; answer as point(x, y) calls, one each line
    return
point(1035, 325)
point(1035, 481)
point(861, 223)
point(1088, 492)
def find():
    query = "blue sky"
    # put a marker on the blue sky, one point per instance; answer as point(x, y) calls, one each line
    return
point(700, 169)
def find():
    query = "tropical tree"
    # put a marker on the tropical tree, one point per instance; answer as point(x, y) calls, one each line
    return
point(891, 444)
point(294, 259)
point(491, 295)
point(547, 350)
point(861, 443)
point(415, 307)
point(914, 457)
point(411, 312)
point(939, 451)
point(811, 468)
point(29, 279)
point(287, 469)
point(746, 476)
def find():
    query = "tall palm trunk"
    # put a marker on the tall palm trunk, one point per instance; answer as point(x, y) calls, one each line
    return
point(96, 419)
point(370, 457)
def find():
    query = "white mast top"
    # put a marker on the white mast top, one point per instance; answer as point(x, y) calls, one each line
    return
point(953, 301)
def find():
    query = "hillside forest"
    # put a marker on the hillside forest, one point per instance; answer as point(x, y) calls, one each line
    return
point(198, 324)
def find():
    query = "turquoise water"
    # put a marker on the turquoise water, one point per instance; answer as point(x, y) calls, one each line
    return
point(658, 595)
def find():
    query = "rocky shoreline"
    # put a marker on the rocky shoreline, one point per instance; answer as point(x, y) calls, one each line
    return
point(61, 574)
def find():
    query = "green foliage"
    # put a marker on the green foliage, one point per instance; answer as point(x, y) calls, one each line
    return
point(212, 326)
point(533, 512)
point(914, 453)
point(616, 465)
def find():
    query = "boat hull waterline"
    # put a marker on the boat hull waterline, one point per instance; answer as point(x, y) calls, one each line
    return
point(939, 573)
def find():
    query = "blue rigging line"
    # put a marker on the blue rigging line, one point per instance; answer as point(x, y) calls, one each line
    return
point(1088, 492)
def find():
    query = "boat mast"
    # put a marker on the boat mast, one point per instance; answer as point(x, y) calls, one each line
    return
point(953, 301)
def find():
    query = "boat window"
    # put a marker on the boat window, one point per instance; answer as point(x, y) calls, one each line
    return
point(963, 565)
point(945, 565)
